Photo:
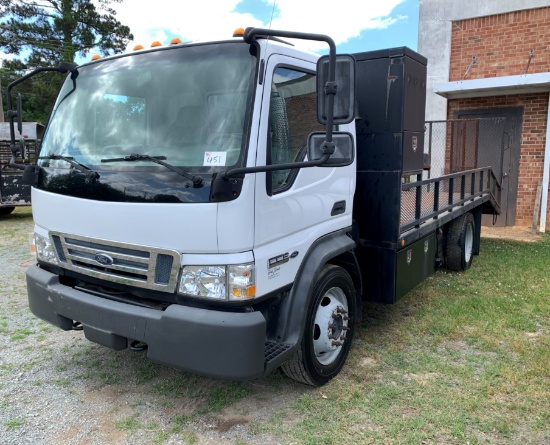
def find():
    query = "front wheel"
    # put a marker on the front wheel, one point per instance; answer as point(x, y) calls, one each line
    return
point(329, 329)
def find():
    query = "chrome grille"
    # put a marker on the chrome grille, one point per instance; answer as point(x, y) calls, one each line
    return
point(122, 263)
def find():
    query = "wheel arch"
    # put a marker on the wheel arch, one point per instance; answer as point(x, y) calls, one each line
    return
point(335, 248)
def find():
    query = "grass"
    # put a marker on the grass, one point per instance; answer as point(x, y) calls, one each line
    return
point(130, 423)
point(15, 228)
point(14, 423)
point(461, 359)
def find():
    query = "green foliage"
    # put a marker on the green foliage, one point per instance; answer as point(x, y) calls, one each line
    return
point(50, 32)
point(14, 423)
point(38, 93)
point(130, 423)
point(58, 30)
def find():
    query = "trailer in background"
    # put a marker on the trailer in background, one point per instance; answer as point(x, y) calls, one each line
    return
point(13, 193)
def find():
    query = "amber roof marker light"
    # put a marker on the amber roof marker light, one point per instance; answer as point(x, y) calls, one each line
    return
point(239, 32)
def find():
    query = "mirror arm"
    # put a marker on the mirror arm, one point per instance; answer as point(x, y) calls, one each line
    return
point(270, 168)
point(12, 114)
point(250, 34)
point(331, 86)
point(329, 148)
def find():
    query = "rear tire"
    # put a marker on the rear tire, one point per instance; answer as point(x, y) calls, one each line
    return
point(459, 249)
point(329, 329)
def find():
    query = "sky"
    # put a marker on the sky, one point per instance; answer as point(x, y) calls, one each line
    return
point(354, 25)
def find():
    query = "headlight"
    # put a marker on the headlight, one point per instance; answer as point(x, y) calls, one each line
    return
point(44, 249)
point(235, 282)
point(204, 281)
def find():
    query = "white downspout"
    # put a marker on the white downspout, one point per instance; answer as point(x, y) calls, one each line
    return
point(545, 174)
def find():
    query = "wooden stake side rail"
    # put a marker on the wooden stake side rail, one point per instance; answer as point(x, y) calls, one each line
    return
point(432, 199)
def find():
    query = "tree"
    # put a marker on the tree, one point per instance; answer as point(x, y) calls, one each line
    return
point(46, 32)
point(58, 30)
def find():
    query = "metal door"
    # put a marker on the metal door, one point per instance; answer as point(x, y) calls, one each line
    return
point(498, 145)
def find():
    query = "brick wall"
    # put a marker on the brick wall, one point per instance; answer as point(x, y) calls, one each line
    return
point(501, 45)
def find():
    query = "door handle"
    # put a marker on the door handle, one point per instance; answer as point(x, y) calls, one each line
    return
point(338, 208)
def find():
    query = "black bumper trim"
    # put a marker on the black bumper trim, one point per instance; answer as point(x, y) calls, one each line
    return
point(208, 342)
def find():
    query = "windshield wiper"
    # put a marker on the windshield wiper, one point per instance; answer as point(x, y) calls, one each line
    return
point(93, 176)
point(197, 180)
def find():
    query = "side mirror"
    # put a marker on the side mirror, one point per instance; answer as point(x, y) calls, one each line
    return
point(343, 148)
point(344, 100)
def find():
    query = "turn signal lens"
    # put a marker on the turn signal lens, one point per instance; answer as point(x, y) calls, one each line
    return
point(242, 282)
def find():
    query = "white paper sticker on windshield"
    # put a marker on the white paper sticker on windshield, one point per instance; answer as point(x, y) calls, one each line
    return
point(214, 158)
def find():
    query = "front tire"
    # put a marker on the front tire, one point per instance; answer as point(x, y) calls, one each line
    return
point(329, 329)
point(460, 243)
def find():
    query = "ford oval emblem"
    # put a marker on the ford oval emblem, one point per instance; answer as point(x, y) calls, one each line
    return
point(104, 259)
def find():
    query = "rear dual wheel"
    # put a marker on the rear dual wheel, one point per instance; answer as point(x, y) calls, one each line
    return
point(329, 329)
point(459, 249)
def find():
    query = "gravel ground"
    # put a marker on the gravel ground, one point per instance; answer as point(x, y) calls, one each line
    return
point(56, 387)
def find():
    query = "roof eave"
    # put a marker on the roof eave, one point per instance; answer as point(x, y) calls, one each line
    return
point(494, 86)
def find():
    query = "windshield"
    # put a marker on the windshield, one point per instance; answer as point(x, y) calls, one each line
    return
point(188, 104)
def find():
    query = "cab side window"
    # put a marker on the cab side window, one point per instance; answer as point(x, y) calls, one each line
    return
point(292, 117)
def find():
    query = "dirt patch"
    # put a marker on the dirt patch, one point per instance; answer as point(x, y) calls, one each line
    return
point(512, 233)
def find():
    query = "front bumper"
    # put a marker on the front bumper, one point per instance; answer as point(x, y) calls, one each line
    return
point(209, 342)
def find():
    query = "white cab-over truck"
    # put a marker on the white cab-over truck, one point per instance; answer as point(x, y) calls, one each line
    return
point(228, 205)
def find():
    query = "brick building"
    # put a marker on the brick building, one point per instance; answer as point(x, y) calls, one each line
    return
point(491, 59)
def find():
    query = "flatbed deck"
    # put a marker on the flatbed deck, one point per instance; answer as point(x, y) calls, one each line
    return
point(428, 204)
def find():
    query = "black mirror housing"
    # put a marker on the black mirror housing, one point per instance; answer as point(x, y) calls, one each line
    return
point(342, 142)
point(344, 95)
